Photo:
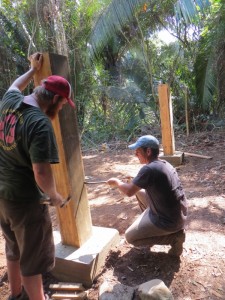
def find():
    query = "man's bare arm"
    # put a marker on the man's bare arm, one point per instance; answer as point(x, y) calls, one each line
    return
point(128, 189)
point(45, 180)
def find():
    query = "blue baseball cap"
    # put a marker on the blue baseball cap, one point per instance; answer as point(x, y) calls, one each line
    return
point(147, 141)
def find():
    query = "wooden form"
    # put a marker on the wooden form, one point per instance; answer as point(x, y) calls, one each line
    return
point(85, 263)
point(166, 117)
point(74, 219)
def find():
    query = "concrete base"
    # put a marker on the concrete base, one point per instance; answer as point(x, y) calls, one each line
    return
point(176, 159)
point(83, 264)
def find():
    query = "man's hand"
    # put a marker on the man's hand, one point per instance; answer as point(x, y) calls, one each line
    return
point(128, 189)
point(56, 200)
point(36, 60)
point(45, 180)
point(22, 82)
point(113, 182)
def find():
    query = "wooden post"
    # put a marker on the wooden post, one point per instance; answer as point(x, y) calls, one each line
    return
point(166, 117)
point(74, 219)
point(186, 109)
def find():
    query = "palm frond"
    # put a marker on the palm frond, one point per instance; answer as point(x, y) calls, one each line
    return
point(188, 10)
point(111, 21)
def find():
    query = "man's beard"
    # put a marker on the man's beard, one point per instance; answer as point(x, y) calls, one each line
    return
point(52, 111)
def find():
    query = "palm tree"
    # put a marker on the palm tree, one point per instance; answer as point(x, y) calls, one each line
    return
point(120, 17)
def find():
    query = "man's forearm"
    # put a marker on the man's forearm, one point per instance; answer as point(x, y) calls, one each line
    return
point(22, 82)
point(129, 189)
point(44, 178)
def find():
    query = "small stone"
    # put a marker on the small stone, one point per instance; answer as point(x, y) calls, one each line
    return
point(115, 291)
point(154, 290)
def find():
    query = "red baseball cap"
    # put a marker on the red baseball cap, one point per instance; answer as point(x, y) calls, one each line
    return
point(59, 86)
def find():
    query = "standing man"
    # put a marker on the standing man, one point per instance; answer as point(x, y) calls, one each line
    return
point(160, 197)
point(27, 150)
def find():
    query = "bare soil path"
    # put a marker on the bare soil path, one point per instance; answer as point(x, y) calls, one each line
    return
point(199, 274)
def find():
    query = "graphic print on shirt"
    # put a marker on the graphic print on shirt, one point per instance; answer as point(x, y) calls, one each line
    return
point(8, 121)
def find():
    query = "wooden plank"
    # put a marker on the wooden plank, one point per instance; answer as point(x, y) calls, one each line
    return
point(197, 155)
point(62, 286)
point(81, 229)
point(66, 296)
point(166, 117)
point(69, 173)
point(44, 72)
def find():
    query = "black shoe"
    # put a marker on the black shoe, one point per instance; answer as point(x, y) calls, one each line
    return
point(177, 243)
point(22, 296)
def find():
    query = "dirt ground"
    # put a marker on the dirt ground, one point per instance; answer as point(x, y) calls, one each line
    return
point(199, 273)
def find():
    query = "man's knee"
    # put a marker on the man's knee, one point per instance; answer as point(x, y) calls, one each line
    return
point(136, 241)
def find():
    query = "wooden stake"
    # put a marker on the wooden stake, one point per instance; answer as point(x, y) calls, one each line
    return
point(68, 296)
point(166, 117)
point(186, 110)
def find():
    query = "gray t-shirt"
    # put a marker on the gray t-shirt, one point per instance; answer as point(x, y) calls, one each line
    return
point(166, 198)
point(26, 137)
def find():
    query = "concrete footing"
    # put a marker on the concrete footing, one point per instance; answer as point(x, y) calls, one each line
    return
point(83, 264)
point(176, 159)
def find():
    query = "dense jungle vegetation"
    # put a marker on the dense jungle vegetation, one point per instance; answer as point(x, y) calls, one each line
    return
point(117, 59)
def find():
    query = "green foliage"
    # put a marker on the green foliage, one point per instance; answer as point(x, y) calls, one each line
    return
point(14, 42)
point(210, 65)
point(128, 34)
point(189, 10)
point(121, 13)
point(121, 120)
point(116, 62)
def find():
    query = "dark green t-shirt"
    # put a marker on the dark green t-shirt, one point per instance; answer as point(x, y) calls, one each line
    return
point(26, 137)
point(166, 198)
